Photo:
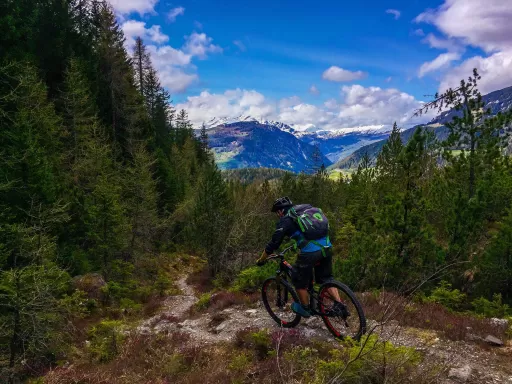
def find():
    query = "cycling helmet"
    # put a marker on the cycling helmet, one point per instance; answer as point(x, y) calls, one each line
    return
point(281, 203)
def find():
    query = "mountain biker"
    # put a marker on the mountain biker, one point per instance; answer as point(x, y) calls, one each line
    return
point(315, 255)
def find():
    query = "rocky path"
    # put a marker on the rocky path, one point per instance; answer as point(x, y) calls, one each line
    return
point(463, 361)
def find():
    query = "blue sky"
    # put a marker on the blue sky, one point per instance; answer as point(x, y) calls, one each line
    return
point(287, 60)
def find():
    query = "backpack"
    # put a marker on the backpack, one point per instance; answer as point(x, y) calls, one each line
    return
point(312, 222)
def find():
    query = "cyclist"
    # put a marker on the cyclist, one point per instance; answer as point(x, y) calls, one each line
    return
point(315, 255)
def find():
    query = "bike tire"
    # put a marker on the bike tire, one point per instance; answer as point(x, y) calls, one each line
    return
point(271, 287)
point(357, 327)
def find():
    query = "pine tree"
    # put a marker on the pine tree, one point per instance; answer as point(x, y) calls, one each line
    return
point(141, 65)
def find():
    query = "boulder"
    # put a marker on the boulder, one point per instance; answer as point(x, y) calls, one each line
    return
point(460, 374)
point(494, 341)
point(91, 284)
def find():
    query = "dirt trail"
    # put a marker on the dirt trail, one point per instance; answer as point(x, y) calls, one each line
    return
point(484, 365)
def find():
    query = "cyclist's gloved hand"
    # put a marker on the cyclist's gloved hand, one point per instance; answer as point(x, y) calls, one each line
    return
point(262, 259)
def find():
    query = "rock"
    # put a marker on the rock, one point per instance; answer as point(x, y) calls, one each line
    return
point(313, 322)
point(460, 374)
point(252, 312)
point(493, 341)
point(499, 322)
point(91, 284)
point(221, 327)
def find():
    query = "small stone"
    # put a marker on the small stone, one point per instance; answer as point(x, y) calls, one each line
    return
point(220, 327)
point(251, 312)
point(461, 374)
point(493, 341)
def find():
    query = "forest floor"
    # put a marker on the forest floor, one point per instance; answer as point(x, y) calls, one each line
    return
point(463, 361)
point(205, 336)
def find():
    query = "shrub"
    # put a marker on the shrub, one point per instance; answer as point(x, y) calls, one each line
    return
point(444, 295)
point(105, 340)
point(251, 279)
point(204, 301)
point(494, 308)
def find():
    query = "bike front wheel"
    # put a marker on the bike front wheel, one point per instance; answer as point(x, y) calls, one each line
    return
point(278, 296)
point(346, 320)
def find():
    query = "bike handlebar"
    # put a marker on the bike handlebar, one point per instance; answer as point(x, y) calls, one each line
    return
point(279, 255)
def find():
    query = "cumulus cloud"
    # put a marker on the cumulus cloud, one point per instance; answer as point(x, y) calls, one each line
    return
point(133, 29)
point(396, 13)
point(125, 7)
point(496, 72)
point(358, 106)
point(314, 90)
point(174, 13)
point(174, 65)
point(481, 23)
point(200, 45)
point(338, 74)
point(441, 61)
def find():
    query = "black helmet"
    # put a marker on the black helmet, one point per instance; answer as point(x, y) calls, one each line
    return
point(281, 203)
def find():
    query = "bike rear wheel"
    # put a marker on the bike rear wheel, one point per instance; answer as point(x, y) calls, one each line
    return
point(278, 297)
point(341, 326)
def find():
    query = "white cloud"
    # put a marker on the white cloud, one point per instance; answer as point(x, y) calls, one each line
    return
point(419, 32)
point(441, 61)
point(389, 79)
point(377, 106)
point(167, 55)
point(358, 106)
point(198, 25)
point(174, 65)
point(174, 13)
point(394, 12)
point(314, 90)
point(241, 46)
point(446, 44)
point(481, 23)
point(176, 79)
point(125, 7)
point(496, 72)
point(199, 44)
point(338, 74)
point(133, 29)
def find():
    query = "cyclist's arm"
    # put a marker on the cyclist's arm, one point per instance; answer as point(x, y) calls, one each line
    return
point(284, 228)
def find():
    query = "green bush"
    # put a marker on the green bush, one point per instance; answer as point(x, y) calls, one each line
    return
point(204, 301)
point(105, 340)
point(494, 308)
point(444, 295)
point(251, 279)
point(368, 360)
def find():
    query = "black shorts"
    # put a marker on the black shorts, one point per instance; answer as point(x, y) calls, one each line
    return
point(306, 263)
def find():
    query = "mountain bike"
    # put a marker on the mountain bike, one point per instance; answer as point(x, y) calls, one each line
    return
point(278, 294)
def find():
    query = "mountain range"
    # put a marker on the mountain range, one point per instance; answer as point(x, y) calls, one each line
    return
point(497, 101)
point(248, 142)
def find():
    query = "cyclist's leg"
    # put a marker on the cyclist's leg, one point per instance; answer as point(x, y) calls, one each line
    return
point(302, 276)
point(323, 273)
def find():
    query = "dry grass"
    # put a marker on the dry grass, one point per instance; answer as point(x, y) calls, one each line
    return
point(454, 326)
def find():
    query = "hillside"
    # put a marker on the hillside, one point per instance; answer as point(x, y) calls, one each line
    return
point(250, 144)
point(498, 101)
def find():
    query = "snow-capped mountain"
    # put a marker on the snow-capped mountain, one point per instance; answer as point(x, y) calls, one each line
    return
point(251, 144)
point(498, 101)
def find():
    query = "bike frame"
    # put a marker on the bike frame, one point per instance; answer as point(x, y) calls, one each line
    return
point(287, 269)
